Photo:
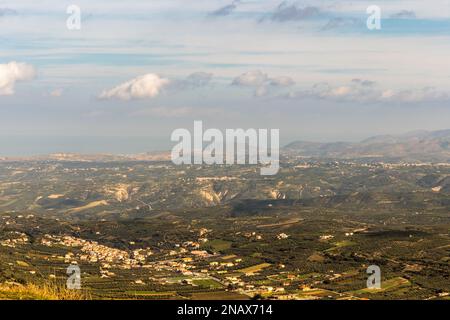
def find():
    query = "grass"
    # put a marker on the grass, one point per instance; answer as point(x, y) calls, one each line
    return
point(88, 206)
point(255, 268)
point(229, 257)
point(152, 293)
point(387, 285)
point(6, 204)
point(48, 291)
point(218, 295)
point(341, 244)
point(289, 222)
point(22, 263)
point(219, 245)
point(207, 283)
point(316, 293)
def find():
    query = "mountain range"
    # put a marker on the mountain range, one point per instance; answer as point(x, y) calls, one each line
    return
point(413, 146)
point(417, 145)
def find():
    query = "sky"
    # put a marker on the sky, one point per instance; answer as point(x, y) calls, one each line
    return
point(137, 70)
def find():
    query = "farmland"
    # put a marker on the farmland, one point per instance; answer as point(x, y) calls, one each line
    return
point(146, 230)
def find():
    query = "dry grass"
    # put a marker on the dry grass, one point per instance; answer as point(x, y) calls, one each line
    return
point(254, 269)
point(88, 206)
point(48, 291)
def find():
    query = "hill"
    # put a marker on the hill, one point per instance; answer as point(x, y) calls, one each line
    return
point(418, 145)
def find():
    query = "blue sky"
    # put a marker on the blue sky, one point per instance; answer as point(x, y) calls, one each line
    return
point(145, 68)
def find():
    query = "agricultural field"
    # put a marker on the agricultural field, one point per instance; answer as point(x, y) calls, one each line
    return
point(146, 230)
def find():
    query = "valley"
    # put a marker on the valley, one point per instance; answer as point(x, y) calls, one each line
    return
point(152, 230)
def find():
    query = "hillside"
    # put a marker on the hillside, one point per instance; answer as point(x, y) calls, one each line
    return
point(15, 291)
point(418, 145)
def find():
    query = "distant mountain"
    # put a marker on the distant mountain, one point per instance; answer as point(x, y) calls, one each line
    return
point(149, 156)
point(413, 146)
point(417, 145)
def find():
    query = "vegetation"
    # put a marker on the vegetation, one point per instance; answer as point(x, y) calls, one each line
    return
point(47, 291)
point(159, 231)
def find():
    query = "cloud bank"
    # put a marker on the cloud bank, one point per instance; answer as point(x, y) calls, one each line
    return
point(365, 91)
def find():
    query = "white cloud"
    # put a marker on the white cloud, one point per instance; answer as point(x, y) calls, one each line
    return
point(427, 94)
point(261, 82)
point(146, 86)
point(13, 72)
point(251, 78)
point(282, 81)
